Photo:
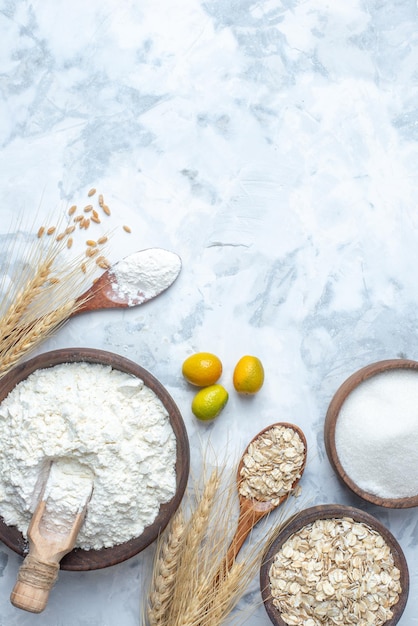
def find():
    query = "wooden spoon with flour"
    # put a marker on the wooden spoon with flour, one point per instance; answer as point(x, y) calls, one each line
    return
point(134, 280)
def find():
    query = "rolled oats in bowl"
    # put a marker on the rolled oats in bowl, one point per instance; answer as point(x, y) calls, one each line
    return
point(334, 565)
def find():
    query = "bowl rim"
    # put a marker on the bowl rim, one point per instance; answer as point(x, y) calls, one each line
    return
point(330, 424)
point(79, 559)
point(327, 511)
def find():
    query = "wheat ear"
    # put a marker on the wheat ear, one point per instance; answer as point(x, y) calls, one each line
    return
point(21, 303)
point(200, 519)
point(191, 566)
point(164, 572)
point(31, 335)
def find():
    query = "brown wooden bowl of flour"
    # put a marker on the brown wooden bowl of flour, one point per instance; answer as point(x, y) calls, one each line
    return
point(370, 433)
point(332, 558)
point(80, 559)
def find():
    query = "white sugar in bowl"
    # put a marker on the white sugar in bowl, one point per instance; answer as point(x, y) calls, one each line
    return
point(371, 430)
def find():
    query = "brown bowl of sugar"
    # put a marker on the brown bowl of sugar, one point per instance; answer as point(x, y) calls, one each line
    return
point(371, 430)
point(105, 412)
point(334, 565)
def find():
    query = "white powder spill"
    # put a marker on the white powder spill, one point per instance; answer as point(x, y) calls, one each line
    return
point(377, 432)
point(145, 274)
point(107, 421)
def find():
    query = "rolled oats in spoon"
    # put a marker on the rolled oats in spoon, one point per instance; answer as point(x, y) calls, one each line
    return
point(269, 471)
point(273, 462)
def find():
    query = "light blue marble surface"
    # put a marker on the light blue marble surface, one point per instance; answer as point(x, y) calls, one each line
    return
point(273, 145)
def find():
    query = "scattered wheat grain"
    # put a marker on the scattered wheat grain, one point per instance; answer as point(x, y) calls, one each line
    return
point(102, 240)
point(91, 243)
point(92, 252)
point(101, 201)
point(60, 237)
point(41, 231)
point(51, 230)
point(127, 229)
point(95, 219)
point(69, 242)
point(78, 218)
point(91, 192)
point(102, 262)
point(106, 209)
point(88, 208)
point(72, 210)
point(69, 230)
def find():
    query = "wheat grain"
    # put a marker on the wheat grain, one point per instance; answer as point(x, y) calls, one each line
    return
point(41, 231)
point(95, 219)
point(91, 192)
point(51, 230)
point(106, 209)
point(102, 262)
point(127, 229)
point(88, 208)
point(72, 210)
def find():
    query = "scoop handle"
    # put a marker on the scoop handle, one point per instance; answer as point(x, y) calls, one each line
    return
point(39, 570)
point(35, 581)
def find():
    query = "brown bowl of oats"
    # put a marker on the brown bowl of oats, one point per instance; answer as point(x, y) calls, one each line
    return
point(334, 565)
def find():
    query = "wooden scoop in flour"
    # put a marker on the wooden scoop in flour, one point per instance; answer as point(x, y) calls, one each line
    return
point(52, 532)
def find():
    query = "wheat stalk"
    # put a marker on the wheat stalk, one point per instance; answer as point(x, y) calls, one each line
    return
point(192, 565)
point(41, 298)
point(18, 307)
point(201, 516)
point(166, 562)
point(202, 592)
point(31, 336)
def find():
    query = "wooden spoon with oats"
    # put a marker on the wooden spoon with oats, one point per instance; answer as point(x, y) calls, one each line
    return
point(268, 472)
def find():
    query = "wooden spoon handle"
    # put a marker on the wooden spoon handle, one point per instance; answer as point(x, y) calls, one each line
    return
point(248, 518)
point(34, 582)
point(244, 527)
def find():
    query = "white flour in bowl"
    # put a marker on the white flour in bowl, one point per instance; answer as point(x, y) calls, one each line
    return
point(105, 419)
